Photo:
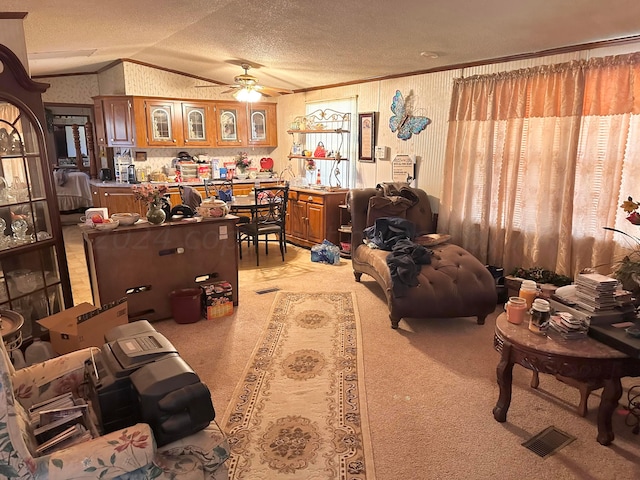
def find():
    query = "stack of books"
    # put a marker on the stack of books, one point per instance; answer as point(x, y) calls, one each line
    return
point(568, 327)
point(595, 292)
point(59, 423)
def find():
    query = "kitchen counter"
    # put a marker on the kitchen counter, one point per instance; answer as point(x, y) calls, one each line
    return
point(119, 198)
point(248, 181)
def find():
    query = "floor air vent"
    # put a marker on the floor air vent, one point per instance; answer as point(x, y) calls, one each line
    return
point(548, 442)
point(267, 290)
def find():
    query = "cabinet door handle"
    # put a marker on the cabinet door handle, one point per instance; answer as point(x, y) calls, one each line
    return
point(173, 140)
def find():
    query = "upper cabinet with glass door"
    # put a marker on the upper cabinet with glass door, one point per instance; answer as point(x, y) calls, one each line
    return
point(231, 123)
point(197, 124)
point(166, 122)
point(162, 122)
point(261, 124)
point(34, 279)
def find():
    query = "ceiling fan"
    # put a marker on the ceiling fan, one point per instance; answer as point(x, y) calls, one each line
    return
point(247, 89)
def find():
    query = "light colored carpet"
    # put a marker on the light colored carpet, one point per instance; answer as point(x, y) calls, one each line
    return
point(298, 409)
point(431, 385)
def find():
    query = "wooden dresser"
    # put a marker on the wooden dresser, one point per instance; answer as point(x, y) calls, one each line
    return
point(314, 215)
point(147, 262)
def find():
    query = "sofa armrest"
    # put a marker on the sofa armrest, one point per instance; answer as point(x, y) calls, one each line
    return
point(108, 456)
point(45, 380)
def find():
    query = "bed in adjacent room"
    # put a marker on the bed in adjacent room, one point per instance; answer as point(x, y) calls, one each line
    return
point(72, 189)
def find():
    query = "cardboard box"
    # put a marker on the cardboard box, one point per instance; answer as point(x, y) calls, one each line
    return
point(84, 325)
point(217, 300)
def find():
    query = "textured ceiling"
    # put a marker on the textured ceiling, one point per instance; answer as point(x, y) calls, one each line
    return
point(300, 44)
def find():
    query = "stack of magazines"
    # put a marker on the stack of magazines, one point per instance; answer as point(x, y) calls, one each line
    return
point(567, 327)
point(595, 292)
point(59, 423)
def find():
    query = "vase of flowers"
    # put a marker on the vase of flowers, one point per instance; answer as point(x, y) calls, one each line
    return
point(627, 270)
point(153, 196)
point(311, 164)
point(243, 162)
point(155, 214)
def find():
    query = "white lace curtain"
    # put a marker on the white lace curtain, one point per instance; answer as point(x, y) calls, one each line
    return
point(539, 160)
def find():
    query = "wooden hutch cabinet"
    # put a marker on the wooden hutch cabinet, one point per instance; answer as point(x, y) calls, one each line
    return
point(34, 277)
point(313, 215)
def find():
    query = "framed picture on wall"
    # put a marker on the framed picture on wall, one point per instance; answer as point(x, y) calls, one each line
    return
point(366, 136)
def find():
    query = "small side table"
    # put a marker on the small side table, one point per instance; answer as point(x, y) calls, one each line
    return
point(587, 361)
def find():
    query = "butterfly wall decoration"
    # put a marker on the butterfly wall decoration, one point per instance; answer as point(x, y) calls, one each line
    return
point(402, 121)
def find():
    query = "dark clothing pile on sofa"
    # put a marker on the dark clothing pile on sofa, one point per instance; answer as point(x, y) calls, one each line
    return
point(397, 234)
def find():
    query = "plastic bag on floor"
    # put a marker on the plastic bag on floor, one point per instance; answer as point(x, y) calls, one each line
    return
point(326, 252)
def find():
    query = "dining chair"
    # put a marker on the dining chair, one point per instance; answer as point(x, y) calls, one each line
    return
point(208, 186)
point(225, 191)
point(267, 218)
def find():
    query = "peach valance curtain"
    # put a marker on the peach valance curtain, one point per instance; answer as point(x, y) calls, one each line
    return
point(538, 161)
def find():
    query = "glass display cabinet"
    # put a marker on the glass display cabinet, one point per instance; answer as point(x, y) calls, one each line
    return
point(34, 277)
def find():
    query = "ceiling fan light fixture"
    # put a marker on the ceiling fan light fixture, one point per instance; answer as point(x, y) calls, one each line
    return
point(247, 95)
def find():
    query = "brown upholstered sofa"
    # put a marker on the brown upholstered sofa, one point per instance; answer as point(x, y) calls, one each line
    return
point(454, 284)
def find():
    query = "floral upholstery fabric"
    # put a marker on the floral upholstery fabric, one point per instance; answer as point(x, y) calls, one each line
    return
point(49, 379)
point(129, 453)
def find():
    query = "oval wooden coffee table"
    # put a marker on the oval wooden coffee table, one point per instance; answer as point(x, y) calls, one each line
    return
point(584, 360)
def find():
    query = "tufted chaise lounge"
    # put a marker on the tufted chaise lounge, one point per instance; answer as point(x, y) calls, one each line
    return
point(455, 284)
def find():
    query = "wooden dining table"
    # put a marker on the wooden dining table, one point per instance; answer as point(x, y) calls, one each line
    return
point(243, 203)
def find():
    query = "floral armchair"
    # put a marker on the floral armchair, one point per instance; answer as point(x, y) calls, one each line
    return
point(130, 453)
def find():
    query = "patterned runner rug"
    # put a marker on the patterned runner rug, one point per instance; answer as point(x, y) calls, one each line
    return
point(300, 409)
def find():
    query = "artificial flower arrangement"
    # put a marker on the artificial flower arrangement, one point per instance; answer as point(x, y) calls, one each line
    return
point(311, 164)
point(243, 161)
point(627, 270)
point(541, 275)
point(150, 194)
point(631, 207)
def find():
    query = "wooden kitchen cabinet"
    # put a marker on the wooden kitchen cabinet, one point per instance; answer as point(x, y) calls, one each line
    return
point(127, 121)
point(231, 124)
point(147, 262)
point(262, 125)
point(101, 134)
point(313, 216)
point(173, 123)
point(117, 199)
point(161, 120)
point(115, 117)
point(198, 125)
